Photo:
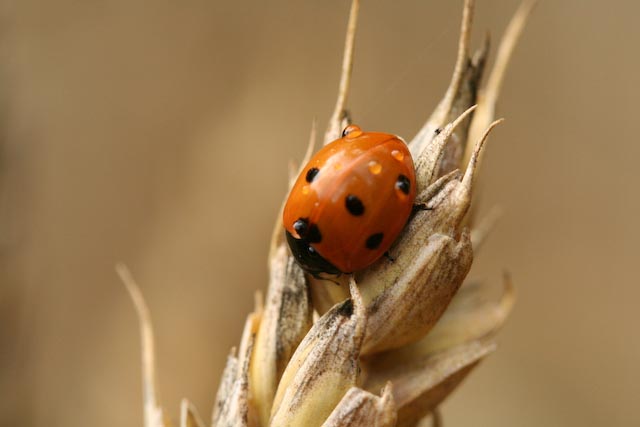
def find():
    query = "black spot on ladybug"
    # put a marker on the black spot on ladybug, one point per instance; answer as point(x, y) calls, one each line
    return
point(301, 226)
point(345, 131)
point(311, 174)
point(403, 184)
point(313, 235)
point(373, 241)
point(354, 205)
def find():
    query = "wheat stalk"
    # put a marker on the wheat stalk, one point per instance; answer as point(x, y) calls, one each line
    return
point(388, 344)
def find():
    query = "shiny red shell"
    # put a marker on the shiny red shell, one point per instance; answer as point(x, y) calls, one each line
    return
point(350, 202)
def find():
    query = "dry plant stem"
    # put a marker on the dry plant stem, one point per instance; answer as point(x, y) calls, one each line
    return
point(313, 136)
point(444, 112)
point(297, 368)
point(324, 294)
point(467, 96)
point(461, 94)
point(339, 119)
point(153, 414)
point(488, 96)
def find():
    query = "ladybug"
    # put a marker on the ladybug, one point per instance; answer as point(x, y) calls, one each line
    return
point(350, 202)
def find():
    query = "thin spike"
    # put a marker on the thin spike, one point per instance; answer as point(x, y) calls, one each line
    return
point(466, 185)
point(506, 48)
point(189, 416)
point(437, 417)
point(336, 122)
point(439, 115)
point(427, 163)
point(153, 414)
point(488, 96)
point(313, 136)
point(467, 180)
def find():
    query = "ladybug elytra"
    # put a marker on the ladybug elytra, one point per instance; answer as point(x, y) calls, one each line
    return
point(350, 202)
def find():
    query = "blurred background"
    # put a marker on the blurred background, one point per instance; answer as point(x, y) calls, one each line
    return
point(159, 133)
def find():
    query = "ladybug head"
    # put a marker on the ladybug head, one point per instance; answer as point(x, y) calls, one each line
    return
point(308, 258)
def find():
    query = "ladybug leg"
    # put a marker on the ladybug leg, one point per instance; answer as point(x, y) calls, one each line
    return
point(335, 282)
point(318, 275)
point(420, 207)
point(388, 256)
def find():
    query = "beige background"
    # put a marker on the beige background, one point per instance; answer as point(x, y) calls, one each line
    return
point(159, 133)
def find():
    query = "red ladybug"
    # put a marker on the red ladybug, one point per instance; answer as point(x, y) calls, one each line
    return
point(350, 202)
